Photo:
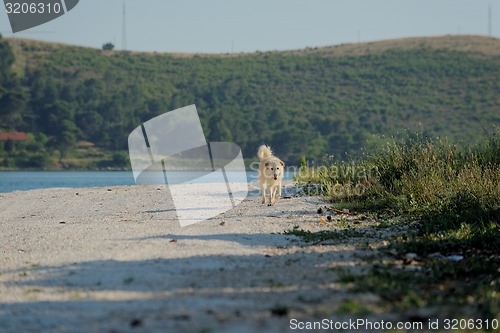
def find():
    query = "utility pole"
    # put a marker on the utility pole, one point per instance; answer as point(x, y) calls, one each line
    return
point(124, 29)
point(489, 21)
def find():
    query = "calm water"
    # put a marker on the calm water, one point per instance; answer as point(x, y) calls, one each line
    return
point(30, 180)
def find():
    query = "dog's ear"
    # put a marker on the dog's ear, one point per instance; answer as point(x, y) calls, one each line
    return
point(282, 164)
point(267, 164)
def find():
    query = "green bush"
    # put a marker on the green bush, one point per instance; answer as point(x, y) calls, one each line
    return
point(420, 176)
point(121, 159)
point(449, 197)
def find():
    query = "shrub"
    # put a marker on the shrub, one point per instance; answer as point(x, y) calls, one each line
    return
point(420, 176)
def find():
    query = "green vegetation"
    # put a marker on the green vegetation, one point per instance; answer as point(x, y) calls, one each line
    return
point(450, 194)
point(12, 93)
point(317, 237)
point(313, 102)
point(458, 289)
point(421, 177)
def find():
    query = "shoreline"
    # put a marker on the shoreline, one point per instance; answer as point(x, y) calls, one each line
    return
point(11, 181)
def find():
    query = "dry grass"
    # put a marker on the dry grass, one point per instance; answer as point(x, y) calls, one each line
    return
point(474, 44)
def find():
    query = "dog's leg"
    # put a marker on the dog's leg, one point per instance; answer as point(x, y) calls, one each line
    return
point(279, 191)
point(263, 190)
point(272, 196)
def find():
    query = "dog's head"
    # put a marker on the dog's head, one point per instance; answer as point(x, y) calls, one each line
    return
point(274, 169)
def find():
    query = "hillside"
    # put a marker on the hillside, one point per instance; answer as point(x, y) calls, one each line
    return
point(312, 102)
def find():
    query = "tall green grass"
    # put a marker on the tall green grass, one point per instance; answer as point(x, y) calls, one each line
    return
point(452, 189)
point(417, 175)
point(451, 196)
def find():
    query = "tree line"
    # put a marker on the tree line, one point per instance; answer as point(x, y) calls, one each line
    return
point(305, 103)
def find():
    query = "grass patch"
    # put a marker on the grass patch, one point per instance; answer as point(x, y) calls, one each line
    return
point(466, 288)
point(453, 191)
point(470, 239)
point(321, 236)
point(353, 307)
point(416, 175)
point(451, 194)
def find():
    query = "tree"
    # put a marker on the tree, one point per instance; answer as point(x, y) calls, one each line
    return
point(6, 59)
point(218, 129)
point(67, 139)
point(108, 46)
point(12, 94)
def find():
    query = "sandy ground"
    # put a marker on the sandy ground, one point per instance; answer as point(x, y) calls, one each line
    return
point(116, 260)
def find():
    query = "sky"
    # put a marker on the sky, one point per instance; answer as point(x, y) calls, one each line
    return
point(221, 26)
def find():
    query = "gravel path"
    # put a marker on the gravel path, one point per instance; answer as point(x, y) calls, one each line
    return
point(116, 260)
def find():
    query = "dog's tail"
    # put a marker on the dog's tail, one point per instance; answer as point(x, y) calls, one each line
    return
point(264, 151)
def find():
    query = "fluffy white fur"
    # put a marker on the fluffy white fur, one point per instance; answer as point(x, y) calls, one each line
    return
point(271, 170)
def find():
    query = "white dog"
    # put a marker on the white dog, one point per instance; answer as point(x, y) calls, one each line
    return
point(271, 170)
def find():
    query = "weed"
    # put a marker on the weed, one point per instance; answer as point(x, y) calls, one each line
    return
point(321, 236)
point(452, 286)
point(275, 284)
point(353, 307)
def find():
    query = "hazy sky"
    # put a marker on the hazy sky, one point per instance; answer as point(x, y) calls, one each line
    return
point(215, 26)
